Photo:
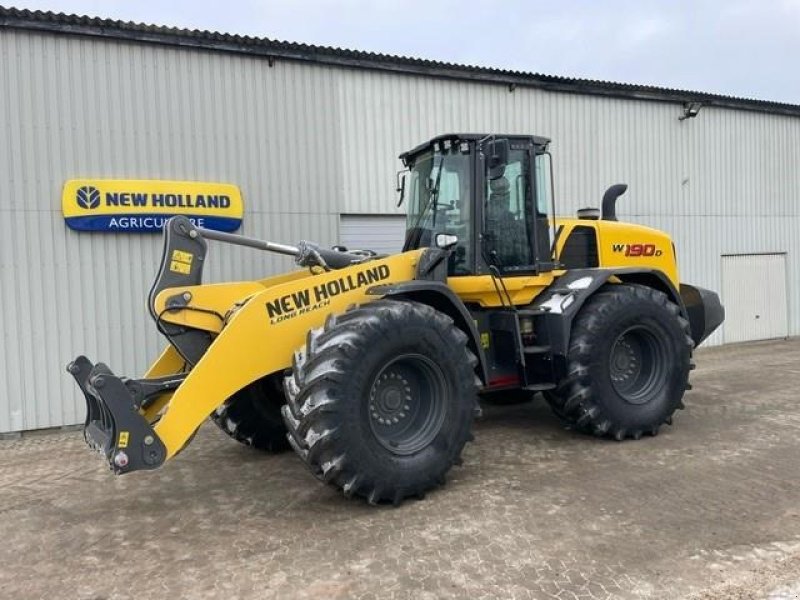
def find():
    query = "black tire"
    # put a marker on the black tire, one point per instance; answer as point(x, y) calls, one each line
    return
point(556, 403)
point(252, 416)
point(628, 364)
point(381, 400)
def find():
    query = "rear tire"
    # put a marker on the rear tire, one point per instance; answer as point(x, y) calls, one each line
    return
point(252, 416)
point(381, 400)
point(628, 363)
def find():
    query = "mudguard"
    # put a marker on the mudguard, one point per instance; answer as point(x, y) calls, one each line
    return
point(557, 306)
point(438, 295)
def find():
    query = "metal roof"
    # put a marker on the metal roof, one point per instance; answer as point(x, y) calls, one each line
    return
point(13, 18)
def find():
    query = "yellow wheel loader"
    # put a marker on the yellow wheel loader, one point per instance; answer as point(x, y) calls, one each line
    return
point(371, 367)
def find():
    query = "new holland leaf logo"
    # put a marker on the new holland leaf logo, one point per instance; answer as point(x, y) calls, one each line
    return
point(88, 197)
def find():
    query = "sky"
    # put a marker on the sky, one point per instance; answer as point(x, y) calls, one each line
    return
point(740, 48)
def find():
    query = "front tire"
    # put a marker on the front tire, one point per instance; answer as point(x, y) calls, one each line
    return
point(628, 363)
point(556, 403)
point(381, 400)
point(252, 416)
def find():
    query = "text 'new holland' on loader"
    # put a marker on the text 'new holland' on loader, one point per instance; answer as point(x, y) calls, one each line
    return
point(370, 367)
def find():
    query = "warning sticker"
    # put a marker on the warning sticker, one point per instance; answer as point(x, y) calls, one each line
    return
point(181, 262)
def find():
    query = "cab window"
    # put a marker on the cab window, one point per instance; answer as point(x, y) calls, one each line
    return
point(508, 216)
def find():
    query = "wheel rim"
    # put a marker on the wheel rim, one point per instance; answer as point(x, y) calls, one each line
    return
point(638, 365)
point(407, 403)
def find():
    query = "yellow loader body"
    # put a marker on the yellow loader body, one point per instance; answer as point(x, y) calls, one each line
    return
point(273, 316)
point(370, 366)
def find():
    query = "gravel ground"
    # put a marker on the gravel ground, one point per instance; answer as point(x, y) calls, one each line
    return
point(707, 509)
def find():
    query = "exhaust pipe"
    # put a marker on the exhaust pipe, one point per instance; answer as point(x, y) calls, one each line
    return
point(610, 201)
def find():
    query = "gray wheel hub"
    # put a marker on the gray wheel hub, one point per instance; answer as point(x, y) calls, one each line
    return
point(636, 365)
point(407, 403)
point(624, 361)
point(389, 398)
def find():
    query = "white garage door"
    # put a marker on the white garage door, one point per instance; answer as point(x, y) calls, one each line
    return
point(382, 233)
point(754, 295)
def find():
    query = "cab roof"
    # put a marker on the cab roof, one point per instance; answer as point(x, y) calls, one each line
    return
point(471, 137)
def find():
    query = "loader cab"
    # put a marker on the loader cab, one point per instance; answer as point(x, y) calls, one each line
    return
point(492, 192)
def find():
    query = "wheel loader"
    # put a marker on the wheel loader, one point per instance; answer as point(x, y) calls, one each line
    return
point(371, 367)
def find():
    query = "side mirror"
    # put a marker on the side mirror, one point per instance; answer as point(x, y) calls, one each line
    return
point(401, 185)
point(496, 158)
point(445, 241)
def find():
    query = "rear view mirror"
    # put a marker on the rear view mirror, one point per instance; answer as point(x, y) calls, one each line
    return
point(401, 185)
point(446, 241)
point(496, 158)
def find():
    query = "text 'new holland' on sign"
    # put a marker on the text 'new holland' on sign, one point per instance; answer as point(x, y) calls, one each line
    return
point(145, 205)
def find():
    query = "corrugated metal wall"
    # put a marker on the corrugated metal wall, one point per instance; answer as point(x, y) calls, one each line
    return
point(74, 107)
point(306, 143)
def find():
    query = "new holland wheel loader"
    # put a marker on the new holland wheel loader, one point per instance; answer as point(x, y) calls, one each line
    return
point(370, 367)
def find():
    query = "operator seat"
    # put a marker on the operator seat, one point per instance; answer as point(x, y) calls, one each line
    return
point(508, 237)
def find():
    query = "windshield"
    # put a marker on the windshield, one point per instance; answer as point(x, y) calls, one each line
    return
point(439, 193)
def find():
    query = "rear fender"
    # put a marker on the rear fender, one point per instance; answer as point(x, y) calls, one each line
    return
point(562, 300)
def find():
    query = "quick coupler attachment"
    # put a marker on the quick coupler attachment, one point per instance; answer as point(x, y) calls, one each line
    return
point(114, 426)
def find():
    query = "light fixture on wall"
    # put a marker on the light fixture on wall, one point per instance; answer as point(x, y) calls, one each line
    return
point(690, 110)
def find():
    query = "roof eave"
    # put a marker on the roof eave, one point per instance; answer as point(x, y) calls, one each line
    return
point(204, 40)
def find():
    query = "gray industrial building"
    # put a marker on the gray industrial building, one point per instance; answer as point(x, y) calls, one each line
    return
point(311, 135)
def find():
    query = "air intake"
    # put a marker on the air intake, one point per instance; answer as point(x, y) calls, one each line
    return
point(610, 201)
